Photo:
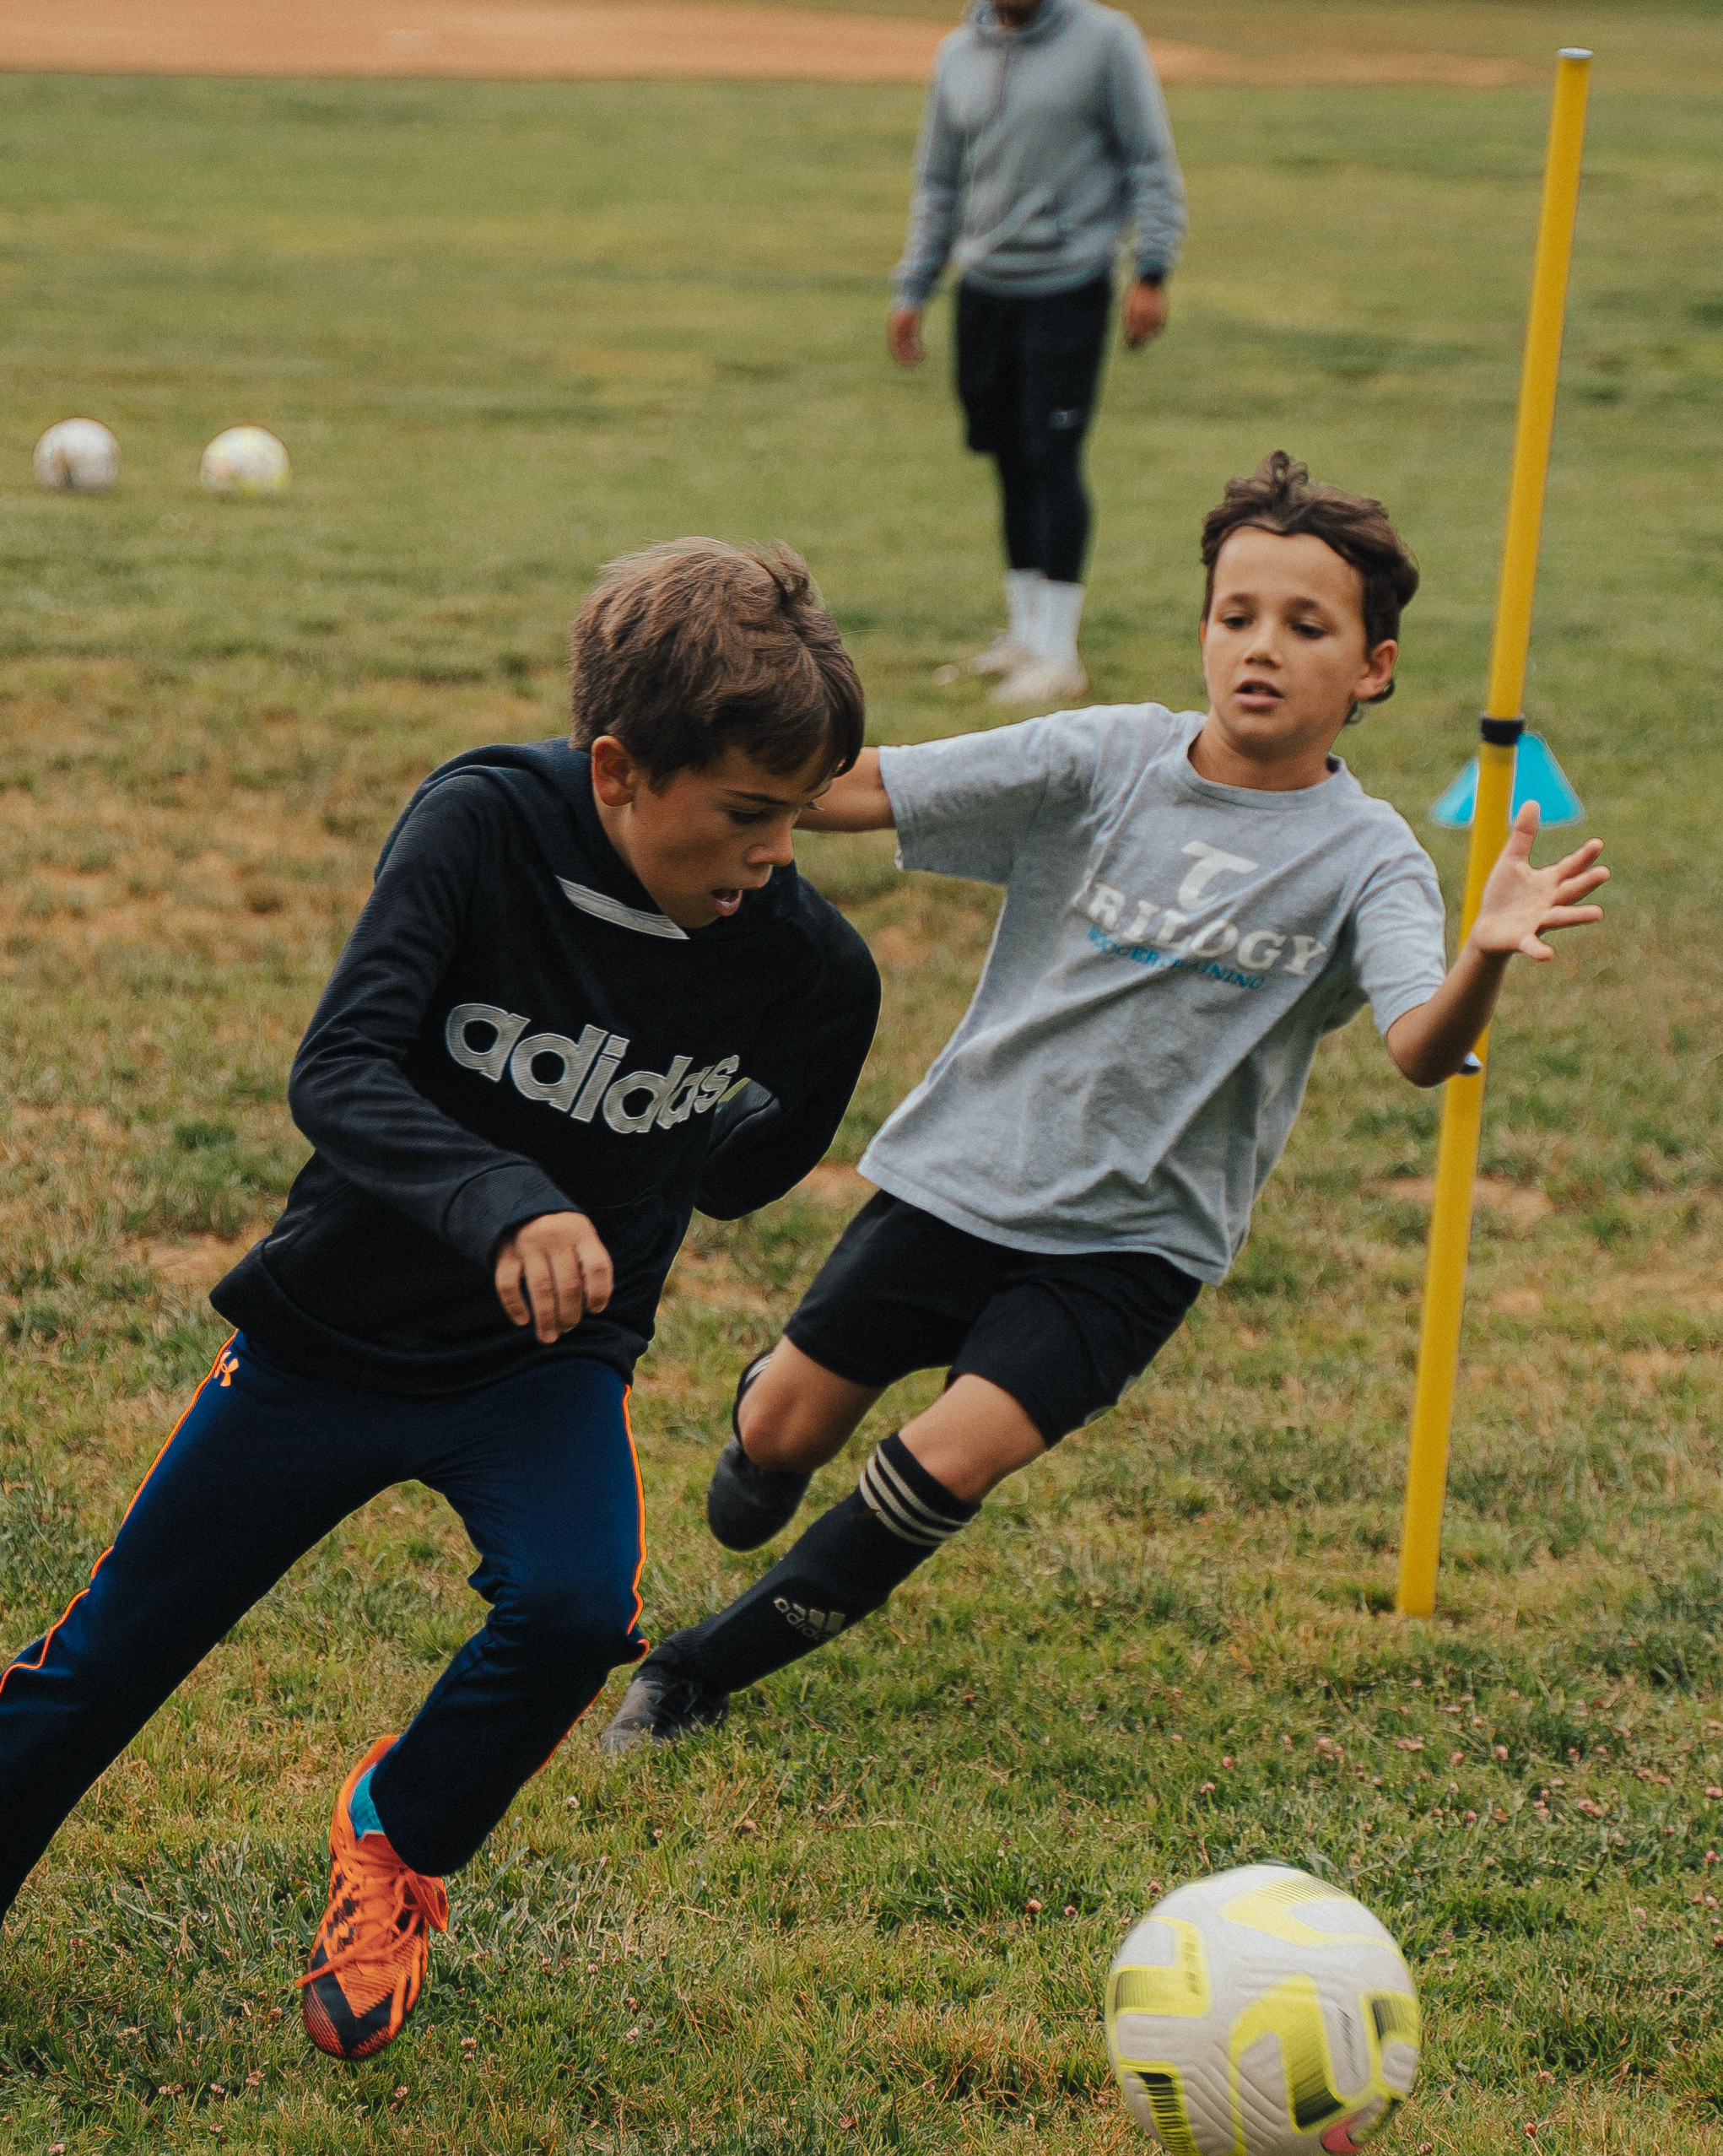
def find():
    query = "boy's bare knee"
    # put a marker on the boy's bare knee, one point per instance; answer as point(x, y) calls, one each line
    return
point(797, 1414)
point(788, 1436)
point(974, 1435)
point(785, 1451)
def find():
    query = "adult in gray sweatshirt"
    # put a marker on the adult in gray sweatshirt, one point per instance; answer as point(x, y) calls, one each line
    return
point(1044, 135)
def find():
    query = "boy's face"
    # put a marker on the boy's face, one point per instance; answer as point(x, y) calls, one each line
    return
point(703, 838)
point(1284, 657)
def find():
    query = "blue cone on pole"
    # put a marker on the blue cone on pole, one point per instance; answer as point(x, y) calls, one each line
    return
point(1537, 777)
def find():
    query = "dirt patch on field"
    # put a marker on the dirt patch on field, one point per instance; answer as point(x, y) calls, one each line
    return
point(1521, 1204)
point(199, 1261)
point(834, 1182)
point(1696, 1294)
point(546, 41)
point(1345, 69)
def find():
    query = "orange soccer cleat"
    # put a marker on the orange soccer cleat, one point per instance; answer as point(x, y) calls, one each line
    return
point(368, 1966)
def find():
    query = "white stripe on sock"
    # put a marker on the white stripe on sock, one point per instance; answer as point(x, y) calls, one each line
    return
point(880, 1500)
point(915, 1508)
point(885, 1493)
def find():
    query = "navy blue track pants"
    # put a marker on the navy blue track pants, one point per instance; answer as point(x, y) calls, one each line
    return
point(263, 1463)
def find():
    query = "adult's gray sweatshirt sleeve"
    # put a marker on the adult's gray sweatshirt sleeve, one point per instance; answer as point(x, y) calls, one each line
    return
point(1144, 135)
point(935, 200)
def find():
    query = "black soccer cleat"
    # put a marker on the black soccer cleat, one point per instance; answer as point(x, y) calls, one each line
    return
point(746, 1506)
point(666, 1701)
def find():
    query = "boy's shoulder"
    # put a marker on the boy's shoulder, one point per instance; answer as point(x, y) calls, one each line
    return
point(530, 789)
point(1105, 748)
point(1135, 732)
point(836, 943)
point(1154, 726)
point(1054, 765)
point(1388, 832)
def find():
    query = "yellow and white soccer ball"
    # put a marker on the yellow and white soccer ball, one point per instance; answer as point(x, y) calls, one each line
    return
point(1258, 2013)
point(80, 454)
point(247, 460)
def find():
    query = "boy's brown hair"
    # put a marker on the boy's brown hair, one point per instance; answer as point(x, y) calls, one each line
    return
point(692, 646)
point(1279, 496)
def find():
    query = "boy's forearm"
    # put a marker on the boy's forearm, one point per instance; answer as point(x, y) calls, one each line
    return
point(371, 1124)
point(856, 802)
point(1432, 1042)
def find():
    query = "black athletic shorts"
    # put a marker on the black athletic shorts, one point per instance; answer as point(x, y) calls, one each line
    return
point(1063, 1335)
point(1026, 368)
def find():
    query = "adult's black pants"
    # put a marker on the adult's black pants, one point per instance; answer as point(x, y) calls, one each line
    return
point(1028, 372)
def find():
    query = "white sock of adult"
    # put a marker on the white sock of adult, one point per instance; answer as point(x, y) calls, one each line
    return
point(1022, 605)
point(1061, 611)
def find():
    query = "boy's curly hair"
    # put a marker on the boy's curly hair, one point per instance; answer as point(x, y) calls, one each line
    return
point(1279, 496)
point(693, 647)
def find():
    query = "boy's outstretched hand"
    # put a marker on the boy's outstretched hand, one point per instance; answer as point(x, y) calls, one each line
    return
point(552, 1272)
point(1521, 904)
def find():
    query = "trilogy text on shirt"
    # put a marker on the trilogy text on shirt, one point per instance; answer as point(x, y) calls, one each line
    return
point(586, 1072)
point(1256, 950)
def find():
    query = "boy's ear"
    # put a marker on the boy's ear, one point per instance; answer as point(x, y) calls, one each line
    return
point(1377, 680)
point(616, 777)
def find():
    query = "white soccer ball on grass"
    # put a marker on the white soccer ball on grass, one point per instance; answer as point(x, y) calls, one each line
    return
point(79, 455)
point(246, 461)
point(1261, 2013)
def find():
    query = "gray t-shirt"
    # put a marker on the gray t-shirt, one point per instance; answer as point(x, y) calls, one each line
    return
point(1169, 954)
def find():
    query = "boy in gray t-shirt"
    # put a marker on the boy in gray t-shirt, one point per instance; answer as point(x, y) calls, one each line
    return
point(1191, 901)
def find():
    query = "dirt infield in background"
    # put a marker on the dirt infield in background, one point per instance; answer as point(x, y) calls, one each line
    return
point(546, 41)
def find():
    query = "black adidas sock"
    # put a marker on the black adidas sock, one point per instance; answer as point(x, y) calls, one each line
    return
point(845, 1565)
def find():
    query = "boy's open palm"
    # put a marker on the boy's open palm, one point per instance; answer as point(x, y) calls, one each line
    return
point(552, 1272)
point(1521, 905)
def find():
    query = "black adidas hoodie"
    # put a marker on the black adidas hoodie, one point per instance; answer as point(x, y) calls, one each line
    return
point(515, 1028)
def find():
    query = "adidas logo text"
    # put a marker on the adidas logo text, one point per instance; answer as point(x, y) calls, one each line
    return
point(577, 1078)
point(815, 1624)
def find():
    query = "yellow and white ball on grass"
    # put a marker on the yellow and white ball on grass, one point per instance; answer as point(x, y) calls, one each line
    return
point(1261, 2013)
point(246, 461)
point(79, 455)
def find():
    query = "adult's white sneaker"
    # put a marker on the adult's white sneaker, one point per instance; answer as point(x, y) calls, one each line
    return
point(1006, 654)
point(1047, 685)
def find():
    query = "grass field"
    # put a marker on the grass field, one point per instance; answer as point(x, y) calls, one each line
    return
point(507, 332)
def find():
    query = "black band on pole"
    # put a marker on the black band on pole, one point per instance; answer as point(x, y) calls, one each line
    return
point(1501, 733)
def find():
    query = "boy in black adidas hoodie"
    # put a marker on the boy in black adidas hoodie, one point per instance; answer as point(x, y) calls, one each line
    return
point(588, 994)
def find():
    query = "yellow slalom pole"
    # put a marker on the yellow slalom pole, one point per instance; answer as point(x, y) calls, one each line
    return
point(1462, 1105)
